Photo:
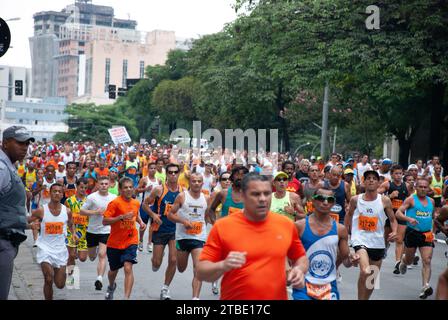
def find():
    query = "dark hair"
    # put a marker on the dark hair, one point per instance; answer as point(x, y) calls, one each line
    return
point(284, 164)
point(71, 163)
point(152, 163)
point(237, 169)
point(159, 159)
point(395, 167)
point(56, 185)
point(220, 176)
point(253, 176)
point(171, 165)
point(82, 180)
point(123, 181)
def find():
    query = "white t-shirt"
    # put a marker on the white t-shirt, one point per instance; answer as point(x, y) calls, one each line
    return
point(67, 158)
point(96, 201)
point(362, 168)
point(60, 175)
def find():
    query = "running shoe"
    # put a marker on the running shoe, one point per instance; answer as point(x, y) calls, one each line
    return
point(397, 268)
point(148, 247)
point(416, 259)
point(215, 289)
point(70, 280)
point(140, 246)
point(165, 294)
point(110, 292)
point(98, 285)
point(402, 267)
point(426, 292)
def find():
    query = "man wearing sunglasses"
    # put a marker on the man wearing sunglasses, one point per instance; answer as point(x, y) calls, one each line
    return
point(284, 202)
point(310, 187)
point(365, 221)
point(158, 204)
point(326, 245)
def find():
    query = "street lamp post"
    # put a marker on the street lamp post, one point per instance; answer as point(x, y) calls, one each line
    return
point(303, 145)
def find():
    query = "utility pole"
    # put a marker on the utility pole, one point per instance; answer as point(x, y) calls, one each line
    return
point(334, 138)
point(323, 138)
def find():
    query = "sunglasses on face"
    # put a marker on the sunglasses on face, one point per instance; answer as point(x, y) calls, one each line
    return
point(173, 172)
point(225, 179)
point(322, 198)
point(281, 179)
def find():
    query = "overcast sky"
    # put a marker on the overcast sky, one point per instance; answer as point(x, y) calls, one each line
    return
point(188, 18)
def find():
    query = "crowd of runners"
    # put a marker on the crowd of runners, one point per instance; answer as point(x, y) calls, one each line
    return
point(290, 220)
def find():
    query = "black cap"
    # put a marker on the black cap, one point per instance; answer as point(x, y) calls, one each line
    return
point(376, 174)
point(18, 133)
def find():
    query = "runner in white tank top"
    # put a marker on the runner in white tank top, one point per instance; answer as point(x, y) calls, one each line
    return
point(145, 186)
point(365, 221)
point(188, 211)
point(52, 252)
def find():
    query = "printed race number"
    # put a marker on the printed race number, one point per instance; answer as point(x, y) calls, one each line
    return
point(368, 224)
point(80, 220)
point(319, 292)
point(197, 228)
point(429, 237)
point(396, 203)
point(54, 227)
point(233, 210)
point(168, 207)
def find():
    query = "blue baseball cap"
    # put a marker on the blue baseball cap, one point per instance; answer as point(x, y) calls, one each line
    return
point(113, 169)
point(387, 161)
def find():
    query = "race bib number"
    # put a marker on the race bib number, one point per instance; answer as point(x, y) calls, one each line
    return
point(309, 207)
point(81, 220)
point(396, 203)
point(335, 217)
point(154, 226)
point(368, 224)
point(437, 191)
point(168, 207)
point(54, 227)
point(233, 210)
point(197, 228)
point(70, 192)
point(429, 237)
point(319, 292)
point(206, 192)
point(132, 171)
point(46, 193)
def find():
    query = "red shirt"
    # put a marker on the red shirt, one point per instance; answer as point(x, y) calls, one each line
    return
point(294, 186)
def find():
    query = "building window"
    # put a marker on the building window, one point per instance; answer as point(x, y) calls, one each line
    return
point(142, 69)
point(107, 77)
point(125, 73)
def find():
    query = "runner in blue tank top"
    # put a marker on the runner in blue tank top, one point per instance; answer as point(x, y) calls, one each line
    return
point(419, 211)
point(231, 199)
point(341, 191)
point(326, 245)
point(158, 205)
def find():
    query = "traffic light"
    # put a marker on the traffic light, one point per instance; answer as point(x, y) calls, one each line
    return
point(18, 87)
point(112, 91)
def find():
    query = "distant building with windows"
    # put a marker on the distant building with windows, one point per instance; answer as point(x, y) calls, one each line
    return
point(70, 52)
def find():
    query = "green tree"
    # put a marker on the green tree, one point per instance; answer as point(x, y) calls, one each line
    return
point(90, 122)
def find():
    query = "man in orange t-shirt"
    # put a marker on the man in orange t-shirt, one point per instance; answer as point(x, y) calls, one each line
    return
point(249, 248)
point(121, 214)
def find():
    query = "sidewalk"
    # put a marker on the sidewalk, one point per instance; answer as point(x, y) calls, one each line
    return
point(27, 279)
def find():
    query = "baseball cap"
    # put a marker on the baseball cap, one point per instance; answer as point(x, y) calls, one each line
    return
point(376, 174)
point(113, 169)
point(412, 167)
point(281, 174)
point(61, 164)
point(349, 171)
point(387, 161)
point(349, 159)
point(18, 133)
